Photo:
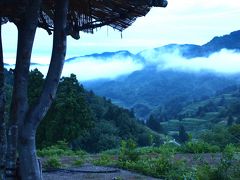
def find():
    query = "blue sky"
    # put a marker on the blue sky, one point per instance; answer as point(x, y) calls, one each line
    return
point(183, 21)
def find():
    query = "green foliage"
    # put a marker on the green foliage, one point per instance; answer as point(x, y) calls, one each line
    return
point(102, 137)
point(78, 162)
point(182, 135)
point(84, 120)
point(105, 160)
point(227, 169)
point(206, 172)
point(218, 136)
point(58, 150)
point(160, 165)
point(69, 114)
point(168, 90)
point(198, 147)
point(34, 90)
point(154, 124)
point(111, 152)
point(235, 133)
point(167, 149)
point(128, 151)
point(52, 163)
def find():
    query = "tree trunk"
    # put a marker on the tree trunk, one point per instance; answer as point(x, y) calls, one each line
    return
point(3, 140)
point(29, 166)
point(19, 105)
point(27, 150)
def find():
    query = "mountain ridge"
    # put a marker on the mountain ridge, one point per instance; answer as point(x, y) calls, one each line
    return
point(217, 43)
point(147, 89)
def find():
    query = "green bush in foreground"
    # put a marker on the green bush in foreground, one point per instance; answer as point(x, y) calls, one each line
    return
point(52, 163)
point(105, 160)
point(160, 165)
point(160, 162)
point(198, 147)
point(78, 162)
point(128, 151)
point(58, 150)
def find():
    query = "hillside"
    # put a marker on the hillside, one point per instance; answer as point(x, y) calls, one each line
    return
point(197, 116)
point(154, 86)
point(82, 119)
point(149, 88)
point(229, 41)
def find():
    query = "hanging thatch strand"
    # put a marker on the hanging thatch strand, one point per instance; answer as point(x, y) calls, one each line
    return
point(84, 15)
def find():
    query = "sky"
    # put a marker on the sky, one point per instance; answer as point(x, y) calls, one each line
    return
point(182, 21)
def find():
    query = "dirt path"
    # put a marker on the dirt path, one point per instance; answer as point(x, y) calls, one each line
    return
point(94, 173)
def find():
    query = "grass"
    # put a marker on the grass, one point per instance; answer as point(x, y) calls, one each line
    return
point(52, 163)
point(59, 150)
point(160, 162)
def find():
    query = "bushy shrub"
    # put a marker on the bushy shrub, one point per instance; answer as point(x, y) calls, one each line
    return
point(78, 162)
point(219, 136)
point(198, 147)
point(105, 160)
point(60, 149)
point(52, 163)
point(206, 172)
point(162, 149)
point(227, 169)
point(128, 151)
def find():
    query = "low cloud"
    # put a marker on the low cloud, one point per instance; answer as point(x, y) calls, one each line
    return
point(225, 61)
point(91, 69)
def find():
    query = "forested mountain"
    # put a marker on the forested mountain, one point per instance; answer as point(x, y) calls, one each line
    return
point(84, 120)
point(148, 89)
point(154, 87)
point(200, 115)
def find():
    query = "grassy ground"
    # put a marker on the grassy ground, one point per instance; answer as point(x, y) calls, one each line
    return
point(191, 161)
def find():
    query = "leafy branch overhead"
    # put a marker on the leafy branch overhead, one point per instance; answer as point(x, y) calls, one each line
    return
point(84, 15)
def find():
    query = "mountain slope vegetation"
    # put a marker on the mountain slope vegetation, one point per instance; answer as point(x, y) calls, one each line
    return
point(155, 87)
point(221, 109)
point(146, 90)
point(86, 121)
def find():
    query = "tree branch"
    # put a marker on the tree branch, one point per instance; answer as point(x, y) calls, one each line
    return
point(56, 64)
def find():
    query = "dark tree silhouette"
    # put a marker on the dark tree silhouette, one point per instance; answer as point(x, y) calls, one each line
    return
point(182, 136)
point(230, 120)
point(154, 124)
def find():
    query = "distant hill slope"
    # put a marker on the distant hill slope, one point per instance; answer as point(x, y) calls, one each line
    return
point(222, 108)
point(230, 42)
point(82, 118)
point(147, 89)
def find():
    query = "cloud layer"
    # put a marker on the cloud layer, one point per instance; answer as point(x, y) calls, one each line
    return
point(90, 68)
point(225, 61)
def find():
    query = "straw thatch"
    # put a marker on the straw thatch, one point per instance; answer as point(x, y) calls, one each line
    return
point(85, 15)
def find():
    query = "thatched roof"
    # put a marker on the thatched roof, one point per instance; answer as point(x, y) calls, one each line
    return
point(85, 15)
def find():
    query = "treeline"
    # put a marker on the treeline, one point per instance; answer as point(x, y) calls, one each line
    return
point(84, 120)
